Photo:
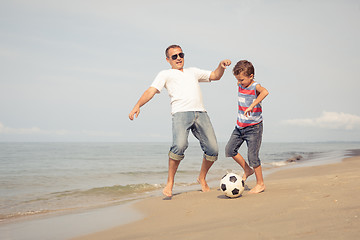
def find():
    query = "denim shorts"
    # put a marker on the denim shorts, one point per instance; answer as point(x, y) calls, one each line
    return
point(253, 136)
point(201, 127)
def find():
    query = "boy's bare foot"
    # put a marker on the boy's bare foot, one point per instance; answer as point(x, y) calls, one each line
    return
point(257, 189)
point(167, 191)
point(248, 172)
point(204, 185)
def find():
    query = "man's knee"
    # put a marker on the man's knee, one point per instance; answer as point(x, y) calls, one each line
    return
point(177, 150)
point(211, 152)
point(175, 156)
point(210, 158)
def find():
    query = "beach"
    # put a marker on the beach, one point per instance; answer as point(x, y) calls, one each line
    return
point(318, 202)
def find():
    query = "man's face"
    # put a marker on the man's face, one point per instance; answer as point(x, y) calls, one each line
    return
point(178, 63)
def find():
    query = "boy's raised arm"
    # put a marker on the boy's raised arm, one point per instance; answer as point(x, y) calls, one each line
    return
point(147, 96)
point(219, 71)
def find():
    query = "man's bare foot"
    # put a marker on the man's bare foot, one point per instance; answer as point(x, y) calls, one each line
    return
point(167, 191)
point(247, 173)
point(257, 189)
point(204, 185)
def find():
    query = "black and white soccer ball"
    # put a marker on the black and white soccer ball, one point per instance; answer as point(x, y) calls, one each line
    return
point(232, 185)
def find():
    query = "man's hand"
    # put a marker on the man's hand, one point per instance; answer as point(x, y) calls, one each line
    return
point(225, 63)
point(219, 71)
point(147, 95)
point(135, 111)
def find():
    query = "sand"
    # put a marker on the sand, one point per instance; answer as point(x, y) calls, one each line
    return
point(321, 202)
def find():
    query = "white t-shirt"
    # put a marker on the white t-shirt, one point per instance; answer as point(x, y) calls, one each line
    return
point(183, 88)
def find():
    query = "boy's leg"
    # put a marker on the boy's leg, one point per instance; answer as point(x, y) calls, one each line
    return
point(241, 161)
point(254, 138)
point(260, 186)
point(231, 150)
point(205, 166)
point(173, 166)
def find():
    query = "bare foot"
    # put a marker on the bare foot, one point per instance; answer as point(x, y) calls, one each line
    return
point(257, 189)
point(204, 186)
point(247, 173)
point(167, 191)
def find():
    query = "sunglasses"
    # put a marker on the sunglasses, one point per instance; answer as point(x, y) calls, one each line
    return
point(174, 57)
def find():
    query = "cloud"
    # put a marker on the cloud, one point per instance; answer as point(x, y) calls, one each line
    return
point(328, 120)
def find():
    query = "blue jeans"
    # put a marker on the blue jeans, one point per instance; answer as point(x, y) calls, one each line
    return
point(201, 127)
point(253, 136)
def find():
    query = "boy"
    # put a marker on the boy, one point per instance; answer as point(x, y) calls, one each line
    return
point(249, 126)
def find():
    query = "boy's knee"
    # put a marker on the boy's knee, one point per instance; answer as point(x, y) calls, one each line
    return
point(230, 151)
point(254, 161)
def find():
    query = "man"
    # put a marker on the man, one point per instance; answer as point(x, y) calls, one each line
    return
point(187, 111)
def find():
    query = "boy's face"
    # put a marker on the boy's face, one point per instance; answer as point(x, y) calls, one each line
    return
point(178, 63)
point(244, 80)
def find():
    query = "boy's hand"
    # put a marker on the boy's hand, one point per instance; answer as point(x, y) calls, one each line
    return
point(248, 111)
point(225, 63)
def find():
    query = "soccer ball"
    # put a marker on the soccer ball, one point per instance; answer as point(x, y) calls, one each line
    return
point(232, 185)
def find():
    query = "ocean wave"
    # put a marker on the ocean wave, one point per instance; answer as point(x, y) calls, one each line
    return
point(3, 217)
point(116, 190)
point(77, 199)
point(279, 163)
point(289, 160)
point(142, 173)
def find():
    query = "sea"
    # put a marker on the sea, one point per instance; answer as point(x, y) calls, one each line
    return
point(44, 178)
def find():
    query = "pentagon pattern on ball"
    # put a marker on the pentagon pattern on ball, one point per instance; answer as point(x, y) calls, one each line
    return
point(232, 185)
point(233, 179)
point(235, 191)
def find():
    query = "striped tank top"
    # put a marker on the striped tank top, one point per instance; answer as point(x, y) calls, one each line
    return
point(246, 97)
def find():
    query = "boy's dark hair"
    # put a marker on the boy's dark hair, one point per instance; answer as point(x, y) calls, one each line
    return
point(244, 66)
point(169, 47)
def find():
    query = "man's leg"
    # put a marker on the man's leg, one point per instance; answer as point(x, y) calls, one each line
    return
point(181, 123)
point(205, 166)
point(173, 166)
point(204, 132)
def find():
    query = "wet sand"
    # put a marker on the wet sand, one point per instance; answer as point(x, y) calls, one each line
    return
point(319, 202)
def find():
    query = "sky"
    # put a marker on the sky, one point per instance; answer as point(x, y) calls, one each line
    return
point(71, 71)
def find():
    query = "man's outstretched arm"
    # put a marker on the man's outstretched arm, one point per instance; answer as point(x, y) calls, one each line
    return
point(147, 96)
point(219, 71)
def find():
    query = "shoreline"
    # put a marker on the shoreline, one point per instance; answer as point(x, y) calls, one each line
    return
point(89, 222)
point(314, 202)
point(27, 197)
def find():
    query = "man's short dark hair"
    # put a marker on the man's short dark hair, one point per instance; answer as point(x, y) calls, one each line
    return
point(169, 47)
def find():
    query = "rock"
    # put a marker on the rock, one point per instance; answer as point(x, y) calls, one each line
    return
point(295, 158)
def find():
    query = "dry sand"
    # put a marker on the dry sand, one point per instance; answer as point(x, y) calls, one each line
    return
point(321, 202)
